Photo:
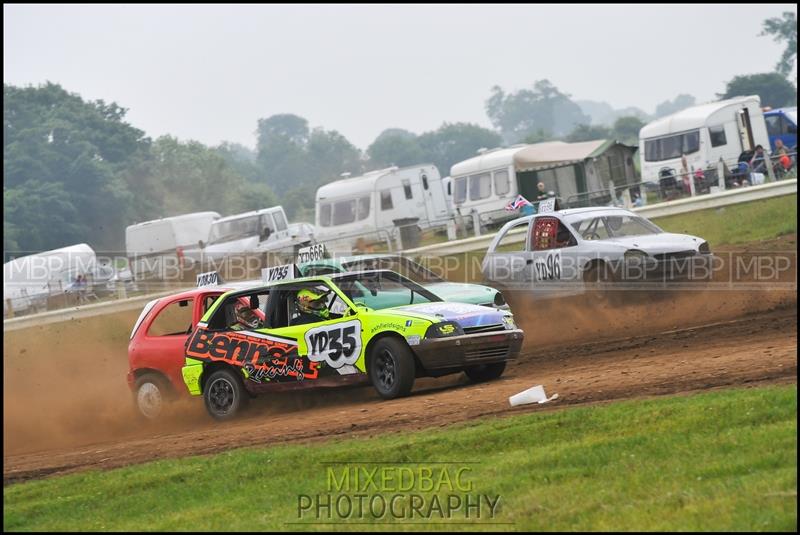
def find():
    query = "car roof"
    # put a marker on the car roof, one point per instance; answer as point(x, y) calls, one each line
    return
point(575, 211)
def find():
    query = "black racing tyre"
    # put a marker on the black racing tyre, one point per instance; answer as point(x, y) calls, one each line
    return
point(485, 372)
point(152, 393)
point(224, 394)
point(391, 368)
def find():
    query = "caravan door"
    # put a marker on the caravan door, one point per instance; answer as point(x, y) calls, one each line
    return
point(437, 207)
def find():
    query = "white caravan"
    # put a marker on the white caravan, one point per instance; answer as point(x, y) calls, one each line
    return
point(256, 232)
point(371, 206)
point(29, 280)
point(154, 246)
point(485, 184)
point(704, 134)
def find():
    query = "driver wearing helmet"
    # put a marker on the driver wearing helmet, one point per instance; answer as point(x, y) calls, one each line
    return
point(246, 318)
point(312, 306)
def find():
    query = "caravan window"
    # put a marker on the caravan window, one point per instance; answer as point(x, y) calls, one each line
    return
point(461, 190)
point(344, 212)
point(717, 135)
point(671, 147)
point(407, 189)
point(501, 184)
point(386, 200)
point(325, 215)
point(480, 186)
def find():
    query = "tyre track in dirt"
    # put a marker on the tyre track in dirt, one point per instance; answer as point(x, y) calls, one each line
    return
point(752, 349)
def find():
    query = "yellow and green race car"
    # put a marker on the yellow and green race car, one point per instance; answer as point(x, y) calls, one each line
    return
point(317, 331)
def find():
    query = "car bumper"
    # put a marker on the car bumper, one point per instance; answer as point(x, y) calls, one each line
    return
point(469, 349)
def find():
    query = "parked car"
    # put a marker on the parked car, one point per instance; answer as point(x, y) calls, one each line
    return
point(255, 232)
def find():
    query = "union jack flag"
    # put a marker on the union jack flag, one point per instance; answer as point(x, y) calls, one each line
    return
point(518, 203)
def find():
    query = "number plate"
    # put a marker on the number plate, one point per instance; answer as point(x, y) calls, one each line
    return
point(311, 253)
point(210, 278)
point(278, 273)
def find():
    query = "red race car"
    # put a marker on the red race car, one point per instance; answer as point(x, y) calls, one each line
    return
point(156, 348)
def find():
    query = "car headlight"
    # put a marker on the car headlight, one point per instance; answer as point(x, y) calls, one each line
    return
point(508, 322)
point(704, 248)
point(499, 300)
point(444, 329)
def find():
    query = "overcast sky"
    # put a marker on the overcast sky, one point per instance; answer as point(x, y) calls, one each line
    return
point(209, 72)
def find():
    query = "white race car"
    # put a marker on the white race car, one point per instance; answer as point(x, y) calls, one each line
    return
point(574, 248)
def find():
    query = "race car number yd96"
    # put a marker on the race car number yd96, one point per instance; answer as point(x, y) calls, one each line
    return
point(548, 268)
point(338, 344)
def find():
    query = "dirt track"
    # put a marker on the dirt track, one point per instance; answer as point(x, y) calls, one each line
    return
point(67, 407)
point(754, 349)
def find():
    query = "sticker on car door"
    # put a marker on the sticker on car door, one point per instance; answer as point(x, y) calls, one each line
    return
point(338, 345)
point(547, 267)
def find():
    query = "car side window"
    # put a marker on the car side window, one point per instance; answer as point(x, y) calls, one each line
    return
point(240, 312)
point(173, 320)
point(513, 241)
point(551, 233)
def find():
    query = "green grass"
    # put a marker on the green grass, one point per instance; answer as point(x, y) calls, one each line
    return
point(739, 223)
point(722, 460)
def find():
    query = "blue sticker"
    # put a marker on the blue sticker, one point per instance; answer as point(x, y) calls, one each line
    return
point(408, 323)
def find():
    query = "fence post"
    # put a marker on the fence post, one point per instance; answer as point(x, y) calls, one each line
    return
point(476, 222)
point(451, 230)
point(721, 174)
point(770, 170)
point(10, 305)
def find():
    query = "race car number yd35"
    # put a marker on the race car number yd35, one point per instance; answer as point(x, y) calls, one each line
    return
point(316, 331)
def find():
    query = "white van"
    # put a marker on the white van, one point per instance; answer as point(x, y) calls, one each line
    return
point(29, 280)
point(704, 134)
point(255, 232)
point(154, 245)
point(370, 206)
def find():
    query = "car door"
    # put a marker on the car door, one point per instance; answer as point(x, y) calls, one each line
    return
point(506, 262)
point(334, 344)
point(552, 256)
point(161, 347)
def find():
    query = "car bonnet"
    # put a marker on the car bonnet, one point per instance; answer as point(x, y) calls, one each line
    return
point(464, 314)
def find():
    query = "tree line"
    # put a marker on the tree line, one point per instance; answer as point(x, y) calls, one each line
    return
point(77, 171)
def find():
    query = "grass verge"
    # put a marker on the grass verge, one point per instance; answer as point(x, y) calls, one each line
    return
point(721, 461)
point(739, 223)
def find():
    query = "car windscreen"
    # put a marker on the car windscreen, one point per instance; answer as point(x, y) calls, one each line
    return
point(387, 287)
point(222, 231)
point(613, 226)
point(407, 268)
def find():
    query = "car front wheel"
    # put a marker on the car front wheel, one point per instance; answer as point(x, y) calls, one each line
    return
point(224, 394)
point(391, 368)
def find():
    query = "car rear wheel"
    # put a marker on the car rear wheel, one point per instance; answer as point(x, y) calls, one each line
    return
point(224, 394)
point(391, 368)
point(485, 372)
point(152, 393)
